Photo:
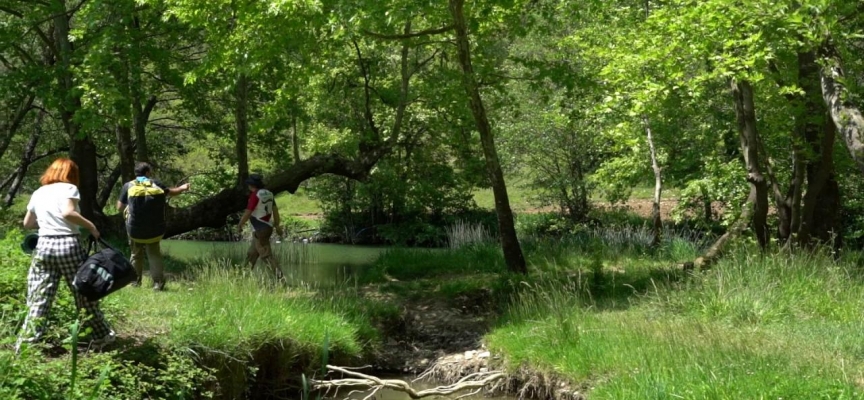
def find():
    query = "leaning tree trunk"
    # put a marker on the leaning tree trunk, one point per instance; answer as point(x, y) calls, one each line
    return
point(656, 221)
point(847, 117)
point(108, 186)
point(26, 160)
point(213, 211)
point(11, 127)
point(745, 113)
point(509, 242)
point(719, 247)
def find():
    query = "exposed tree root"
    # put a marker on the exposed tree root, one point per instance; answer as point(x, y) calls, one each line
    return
point(474, 382)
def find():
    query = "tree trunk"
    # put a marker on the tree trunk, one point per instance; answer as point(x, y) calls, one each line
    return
point(140, 113)
point(656, 221)
point(821, 209)
point(108, 186)
point(707, 211)
point(782, 200)
point(818, 135)
point(241, 122)
point(847, 117)
point(745, 113)
point(797, 191)
point(123, 114)
point(11, 128)
point(8, 180)
point(509, 242)
point(295, 140)
point(26, 160)
point(213, 211)
point(126, 152)
point(140, 117)
point(82, 150)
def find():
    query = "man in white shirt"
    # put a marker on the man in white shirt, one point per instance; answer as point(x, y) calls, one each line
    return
point(262, 213)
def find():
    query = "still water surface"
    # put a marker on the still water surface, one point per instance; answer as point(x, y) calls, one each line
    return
point(317, 263)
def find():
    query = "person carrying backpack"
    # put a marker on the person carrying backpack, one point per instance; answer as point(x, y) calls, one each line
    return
point(53, 209)
point(144, 201)
point(262, 213)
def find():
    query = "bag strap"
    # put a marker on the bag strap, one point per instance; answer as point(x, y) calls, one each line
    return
point(102, 242)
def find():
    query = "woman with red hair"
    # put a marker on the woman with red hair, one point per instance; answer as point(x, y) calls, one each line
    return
point(53, 208)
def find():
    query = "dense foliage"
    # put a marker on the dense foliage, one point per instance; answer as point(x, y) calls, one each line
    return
point(396, 100)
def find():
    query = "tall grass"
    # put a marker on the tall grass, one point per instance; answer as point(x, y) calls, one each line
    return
point(622, 247)
point(239, 311)
point(756, 326)
point(462, 233)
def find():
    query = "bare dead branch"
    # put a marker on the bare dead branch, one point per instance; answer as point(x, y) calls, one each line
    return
point(473, 382)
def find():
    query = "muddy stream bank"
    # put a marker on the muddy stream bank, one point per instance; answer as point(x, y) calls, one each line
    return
point(444, 335)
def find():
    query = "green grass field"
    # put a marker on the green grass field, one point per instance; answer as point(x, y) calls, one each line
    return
point(776, 327)
point(297, 204)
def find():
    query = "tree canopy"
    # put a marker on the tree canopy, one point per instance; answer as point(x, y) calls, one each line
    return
point(403, 108)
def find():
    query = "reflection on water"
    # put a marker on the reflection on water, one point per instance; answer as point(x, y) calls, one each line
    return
point(421, 385)
point(311, 263)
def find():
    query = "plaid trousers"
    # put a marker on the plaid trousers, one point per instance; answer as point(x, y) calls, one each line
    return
point(54, 258)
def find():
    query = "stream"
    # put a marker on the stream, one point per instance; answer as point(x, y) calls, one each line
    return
point(313, 263)
point(318, 263)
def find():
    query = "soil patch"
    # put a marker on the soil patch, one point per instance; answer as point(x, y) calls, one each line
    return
point(427, 330)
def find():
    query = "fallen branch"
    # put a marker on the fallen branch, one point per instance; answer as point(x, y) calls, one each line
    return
point(474, 382)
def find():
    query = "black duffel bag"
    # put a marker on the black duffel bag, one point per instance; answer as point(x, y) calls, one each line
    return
point(103, 273)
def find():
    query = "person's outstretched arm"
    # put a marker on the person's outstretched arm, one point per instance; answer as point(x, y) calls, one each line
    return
point(178, 190)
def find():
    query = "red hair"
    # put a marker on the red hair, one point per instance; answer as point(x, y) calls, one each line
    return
point(61, 170)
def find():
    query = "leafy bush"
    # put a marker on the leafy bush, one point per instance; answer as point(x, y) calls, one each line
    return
point(139, 373)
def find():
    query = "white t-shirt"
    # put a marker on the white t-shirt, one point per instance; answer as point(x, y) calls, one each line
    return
point(48, 203)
